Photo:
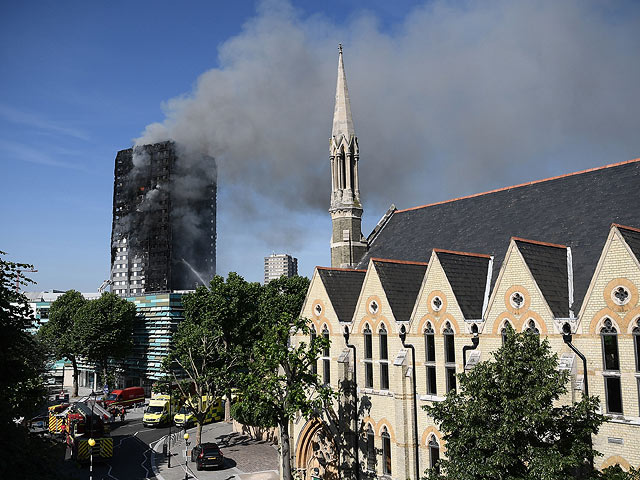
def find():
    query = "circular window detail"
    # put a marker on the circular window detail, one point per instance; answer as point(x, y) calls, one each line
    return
point(620, 295)
point(517, 300)
point(317, 310)
point(436, 304)
point(373, 307)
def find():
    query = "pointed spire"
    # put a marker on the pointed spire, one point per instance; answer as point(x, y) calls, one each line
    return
point(342, 121)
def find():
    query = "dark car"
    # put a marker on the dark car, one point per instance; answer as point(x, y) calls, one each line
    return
point(207, 455)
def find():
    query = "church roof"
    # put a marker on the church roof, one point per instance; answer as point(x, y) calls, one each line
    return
point(574, 210)
point(548, 265)
point(401, 282)
point(343, 288)
point(467, 275)
point(632, 238)
point(342, 120)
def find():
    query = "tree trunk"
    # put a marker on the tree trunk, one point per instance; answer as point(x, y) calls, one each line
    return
point(74, 363)
point(200, 418)
point(198, 433)
point(285, 450)
point(227, 407)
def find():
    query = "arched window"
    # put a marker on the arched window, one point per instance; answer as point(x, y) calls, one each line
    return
point(368, 358)
point(384, 359)
point(449, 357)
point(314, 363)
point(386, 452)
point(506, 329)
point(371, 449)
point(434, 453)
point(531, 327)
point(430, 358)
point(611, 367)
point(326, 360)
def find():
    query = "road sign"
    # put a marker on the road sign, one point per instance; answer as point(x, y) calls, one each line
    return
point(105, 389)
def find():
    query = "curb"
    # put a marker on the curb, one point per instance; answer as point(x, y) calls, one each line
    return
point(154, 467)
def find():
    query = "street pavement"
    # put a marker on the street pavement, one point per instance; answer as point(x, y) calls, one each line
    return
point(245, 459)
point(138, 455)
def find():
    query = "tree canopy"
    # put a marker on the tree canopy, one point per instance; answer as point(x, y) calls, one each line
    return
point(104, 328)
point(280, 382)
point(60, 334)
point(505, 421)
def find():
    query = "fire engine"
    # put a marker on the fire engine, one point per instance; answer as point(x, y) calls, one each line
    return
point(83, 424)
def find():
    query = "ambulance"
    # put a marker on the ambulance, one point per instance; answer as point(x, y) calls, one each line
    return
point(157, 413)
point(185, 417)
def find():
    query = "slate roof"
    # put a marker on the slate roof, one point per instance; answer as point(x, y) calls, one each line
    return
point(548, 265)
point(632, 237)
point(343, 288)
point(467, 275)
point(574, 210)
point(401, 282)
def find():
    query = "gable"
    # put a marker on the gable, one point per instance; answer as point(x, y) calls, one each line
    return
point(343, 288)
point(401, 283)
point(573, 210)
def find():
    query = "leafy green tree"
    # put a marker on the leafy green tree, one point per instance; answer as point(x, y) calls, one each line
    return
point(104, 329)
point(615, 472)
point(213, 342)
point(505, 422)
point(22, 365)
point(59, 333)
point(279, 382)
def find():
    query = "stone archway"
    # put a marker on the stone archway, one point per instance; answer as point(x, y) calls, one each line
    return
point(316, 455)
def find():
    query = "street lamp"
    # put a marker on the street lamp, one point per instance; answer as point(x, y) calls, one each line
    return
point(186, 450)
point(403, 337)
point(355, 396)
point(92, 443)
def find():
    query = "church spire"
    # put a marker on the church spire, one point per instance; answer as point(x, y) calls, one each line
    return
point(347, 243)
point(342, 120)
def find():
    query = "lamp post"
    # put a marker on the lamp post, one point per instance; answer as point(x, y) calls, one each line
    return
point(355, 396)
point(403, 337)
point(170, 422)
point(566, 336)
point(92, 444)
point(186, 450)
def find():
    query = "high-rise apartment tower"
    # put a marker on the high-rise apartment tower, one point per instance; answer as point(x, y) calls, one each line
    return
point(279, 264)
point(163, 234)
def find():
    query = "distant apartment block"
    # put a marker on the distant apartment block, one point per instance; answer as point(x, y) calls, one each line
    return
point(279, 264)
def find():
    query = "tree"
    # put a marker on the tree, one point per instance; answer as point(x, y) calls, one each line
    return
point(104, 330)
point(505, 421)
point(280, 382)
point(59, 333)
point(22, 365)
point(213, 341)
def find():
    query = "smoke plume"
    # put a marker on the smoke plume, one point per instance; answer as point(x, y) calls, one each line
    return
point(458, 98)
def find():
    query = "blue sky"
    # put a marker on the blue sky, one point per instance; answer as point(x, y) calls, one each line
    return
point(449, 98)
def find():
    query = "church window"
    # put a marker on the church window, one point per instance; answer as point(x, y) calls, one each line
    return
point(384, 359)
point(373, 307)
point(506, 329)
point(386, 452)
point(436, 304)
point(611, 366)
point(532, 328)
point(516, 299)
point(434, 453)
point(314, 363)
point(371, 449)
point(430, 358)
point(318, 309)
point(368, 358)
point(326, 361)
point(449, 357)
point(620, 295)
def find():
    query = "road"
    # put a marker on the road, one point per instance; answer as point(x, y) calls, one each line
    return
point(131, 454)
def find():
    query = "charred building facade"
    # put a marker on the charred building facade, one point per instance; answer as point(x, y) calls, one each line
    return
point(163, 235)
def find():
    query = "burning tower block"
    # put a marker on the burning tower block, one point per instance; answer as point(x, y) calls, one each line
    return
point(163, 235)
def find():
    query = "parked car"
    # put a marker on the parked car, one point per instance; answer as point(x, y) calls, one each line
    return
point(207, 455)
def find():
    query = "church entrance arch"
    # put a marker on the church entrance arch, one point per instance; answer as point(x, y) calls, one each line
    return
point(316, 455)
